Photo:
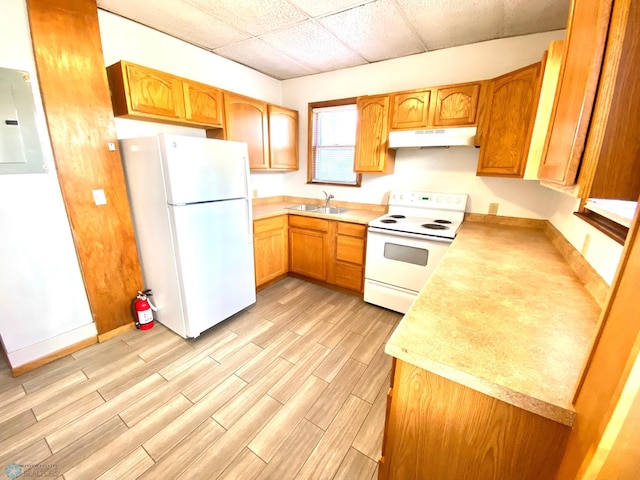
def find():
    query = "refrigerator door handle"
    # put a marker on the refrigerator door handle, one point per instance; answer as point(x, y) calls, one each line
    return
point(249, 222)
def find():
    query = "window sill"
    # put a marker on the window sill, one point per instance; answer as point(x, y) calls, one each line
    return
point(610, 228)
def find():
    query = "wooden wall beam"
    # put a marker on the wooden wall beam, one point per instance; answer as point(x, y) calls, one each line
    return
point(75, 94)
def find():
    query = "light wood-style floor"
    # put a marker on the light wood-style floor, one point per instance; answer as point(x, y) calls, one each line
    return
point(293, 388)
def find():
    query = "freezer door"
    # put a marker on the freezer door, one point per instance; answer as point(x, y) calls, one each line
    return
point(202, 169)
point(214, 249)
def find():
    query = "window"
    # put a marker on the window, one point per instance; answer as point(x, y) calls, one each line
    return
point(332, 140)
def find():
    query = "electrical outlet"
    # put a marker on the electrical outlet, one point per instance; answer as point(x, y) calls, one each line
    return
point(586, 244)
point(493, 209)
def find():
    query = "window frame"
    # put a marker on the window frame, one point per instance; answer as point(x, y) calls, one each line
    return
point(312, 106)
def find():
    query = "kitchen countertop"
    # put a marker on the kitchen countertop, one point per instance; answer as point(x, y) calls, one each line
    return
point(505, 315)
point(353, 215)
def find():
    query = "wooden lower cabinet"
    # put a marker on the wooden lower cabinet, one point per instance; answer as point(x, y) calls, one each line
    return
point(271, 248)
point(350, 248)
point(437, 429)
point(327, 250)
point(308, 246)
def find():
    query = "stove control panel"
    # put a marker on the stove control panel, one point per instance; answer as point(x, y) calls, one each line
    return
point(440, 201)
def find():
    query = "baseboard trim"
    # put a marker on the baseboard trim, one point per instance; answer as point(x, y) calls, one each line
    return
point(27, 367)
point(103, 337)
point(593, 282)
point(271, 282)
point(327, 285)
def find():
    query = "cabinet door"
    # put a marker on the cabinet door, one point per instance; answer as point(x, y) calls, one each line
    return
point(410, 109)
point(573, 104)
point(511, 104)
point(246, 121)
point(270, 242)
point(154, 92)
point(551, 61)
point(372, 154)
point(456, 106)
point(283, 138)
point(308, 253)
point(203, 104)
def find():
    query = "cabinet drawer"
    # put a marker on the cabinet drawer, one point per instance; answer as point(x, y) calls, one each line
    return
point(350, 249)
point(272, 223)
point(352, 229)
point(309, 222)
point(349, 276)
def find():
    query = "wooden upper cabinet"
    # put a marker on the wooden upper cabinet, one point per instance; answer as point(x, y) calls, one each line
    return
point(551, 61)
point(446, 106)
point(154, 92)
point(456, 106)
point(573, 104)
point(203, 103)
point(410, 109)
point(147, 94)
point(246, 120)
point(372, 137)
point(283, 138)
point(512, 100)
point(611, 160)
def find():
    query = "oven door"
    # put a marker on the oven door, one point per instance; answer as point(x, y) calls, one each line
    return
point(402, 260)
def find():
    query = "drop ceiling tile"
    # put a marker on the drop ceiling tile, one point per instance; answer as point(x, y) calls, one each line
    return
point(311, 44)
point(524, 16)
point(253, 16)
point(316, 8)
point(260, 56)
point(178, 19)
point(375, 30)
point(443, 24)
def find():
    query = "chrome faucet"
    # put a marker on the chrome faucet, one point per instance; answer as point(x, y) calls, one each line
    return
point(327, 199)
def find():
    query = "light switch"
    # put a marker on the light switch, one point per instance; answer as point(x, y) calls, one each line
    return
point(99, 197)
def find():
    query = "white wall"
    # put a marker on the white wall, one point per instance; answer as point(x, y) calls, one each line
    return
point(43, 303)
point(453, 169)
point(439, 169)
point(599, 250)
point(126, 40)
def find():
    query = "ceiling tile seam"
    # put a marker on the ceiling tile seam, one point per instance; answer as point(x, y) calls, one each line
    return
point(410, 26)
point(202, 47)
point(340, 10)
point(348, 47)
point(220, 19)
point(290, 58)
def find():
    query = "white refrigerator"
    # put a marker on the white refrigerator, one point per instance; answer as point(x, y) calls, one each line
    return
point(191, 209)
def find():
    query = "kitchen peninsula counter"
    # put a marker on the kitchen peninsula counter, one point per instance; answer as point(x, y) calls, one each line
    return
point(504, 315)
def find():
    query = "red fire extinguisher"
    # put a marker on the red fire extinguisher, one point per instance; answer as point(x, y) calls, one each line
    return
point(141, 309)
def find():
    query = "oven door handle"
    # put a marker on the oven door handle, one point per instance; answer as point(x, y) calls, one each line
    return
point(395, 233)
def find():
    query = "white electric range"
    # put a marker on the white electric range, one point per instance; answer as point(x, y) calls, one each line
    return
point(405, 245)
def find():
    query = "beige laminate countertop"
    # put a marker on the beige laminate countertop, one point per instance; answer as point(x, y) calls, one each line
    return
point(353, 215)
point(505, 315)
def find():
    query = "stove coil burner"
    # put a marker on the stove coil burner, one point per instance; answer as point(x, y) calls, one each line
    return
point(435, 226)
point(397, 216)
point(442, 221)
point(388, 220)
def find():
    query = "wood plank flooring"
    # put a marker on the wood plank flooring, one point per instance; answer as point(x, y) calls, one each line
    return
point(293, 388)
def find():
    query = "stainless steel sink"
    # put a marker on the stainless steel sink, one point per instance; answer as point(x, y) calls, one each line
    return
point(330, 210)
point(305, 207)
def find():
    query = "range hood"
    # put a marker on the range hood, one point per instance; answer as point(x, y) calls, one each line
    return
point(442, 137)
